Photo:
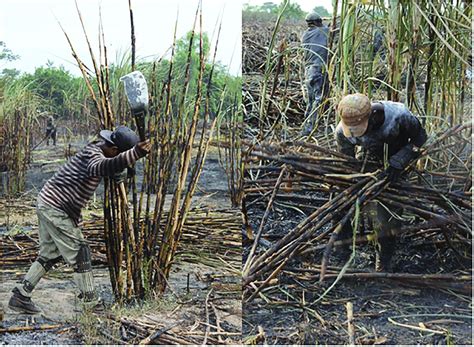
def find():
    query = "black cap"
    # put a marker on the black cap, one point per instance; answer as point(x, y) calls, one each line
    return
point(123, 137)
point(313, 17)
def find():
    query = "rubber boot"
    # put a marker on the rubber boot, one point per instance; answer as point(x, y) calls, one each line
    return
point(343, 252)
point(384, 253)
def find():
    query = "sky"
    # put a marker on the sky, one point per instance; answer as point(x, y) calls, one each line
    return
point(30, 29)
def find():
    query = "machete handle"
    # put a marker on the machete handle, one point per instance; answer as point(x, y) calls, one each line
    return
point(140, 121)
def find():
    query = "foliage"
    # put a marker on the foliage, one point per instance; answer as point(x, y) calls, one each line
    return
point(270, 10)
point(6, 54)
point(292, 11)
point(9, 74)
point(17, 125)
point(57, 86)
point(321, 11)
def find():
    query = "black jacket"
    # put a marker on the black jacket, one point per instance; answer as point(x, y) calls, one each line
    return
point(315, 42)
point(399, 129)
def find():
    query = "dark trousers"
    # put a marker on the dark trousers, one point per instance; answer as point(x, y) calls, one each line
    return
point(316, 84)
point(384, 224)
point(51, 133)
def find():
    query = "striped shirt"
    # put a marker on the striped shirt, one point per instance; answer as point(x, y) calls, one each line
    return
point(73, 185)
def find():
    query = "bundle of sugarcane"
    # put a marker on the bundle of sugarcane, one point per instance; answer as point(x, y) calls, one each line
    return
point(286, 97)
point(334, 172)
point(212, 235)
point(256, 38)
point(459, 282)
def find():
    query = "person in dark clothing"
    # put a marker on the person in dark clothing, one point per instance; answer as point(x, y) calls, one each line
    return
point(50, 131)
point(378, 46)
point(59, 208)
point(314, 42)
point(379, 128)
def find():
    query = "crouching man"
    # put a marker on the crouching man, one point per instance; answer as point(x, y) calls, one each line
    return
point(379, 128)
point(59, 208)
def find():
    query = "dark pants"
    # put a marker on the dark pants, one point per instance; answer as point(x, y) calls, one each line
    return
point(384, 224)
point(316, 83)
point(51, 133)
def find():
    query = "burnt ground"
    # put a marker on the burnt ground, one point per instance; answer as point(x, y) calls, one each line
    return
point(56, 292)
point(290, 311)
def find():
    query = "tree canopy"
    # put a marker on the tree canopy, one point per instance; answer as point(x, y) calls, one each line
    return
point(269, 10)
point(66, 95)
point(56, 86)
point(321, 11)
point(6, 54)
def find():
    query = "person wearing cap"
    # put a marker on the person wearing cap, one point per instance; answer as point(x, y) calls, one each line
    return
point(381, 129)
point(59, 206)
point(314, 43)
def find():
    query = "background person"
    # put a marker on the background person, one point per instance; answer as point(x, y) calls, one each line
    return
point(50, 131)
point(314, 42)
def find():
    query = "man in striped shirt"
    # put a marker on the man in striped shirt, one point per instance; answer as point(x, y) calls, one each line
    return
point(59, 208)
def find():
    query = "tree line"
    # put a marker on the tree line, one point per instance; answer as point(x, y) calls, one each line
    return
point(65, 96)
point(269, 10)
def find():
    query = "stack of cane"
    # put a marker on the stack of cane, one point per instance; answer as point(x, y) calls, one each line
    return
point(327, 170)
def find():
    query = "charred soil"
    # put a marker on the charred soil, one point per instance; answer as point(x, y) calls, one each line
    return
point(294, 310)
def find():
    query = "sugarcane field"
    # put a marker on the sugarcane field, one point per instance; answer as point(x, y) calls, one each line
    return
point(220, 172)
point(119, 224)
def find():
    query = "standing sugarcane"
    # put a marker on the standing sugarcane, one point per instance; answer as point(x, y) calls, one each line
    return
point(136, 90)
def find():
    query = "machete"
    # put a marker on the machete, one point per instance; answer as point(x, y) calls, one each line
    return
point(136, 90)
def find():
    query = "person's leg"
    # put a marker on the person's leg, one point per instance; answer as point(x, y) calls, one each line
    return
point(317, 81)
point(386, 240)
point(314, 80)
point(48, 256)
point(83, 273)
point(325, 91)
point(343, 252)
point(310, 91)
point(70, 242)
